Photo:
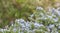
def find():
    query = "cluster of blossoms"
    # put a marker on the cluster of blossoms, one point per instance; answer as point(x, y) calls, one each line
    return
point(44, 22)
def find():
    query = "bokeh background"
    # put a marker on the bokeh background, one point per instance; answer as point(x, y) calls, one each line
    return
point(30, 16)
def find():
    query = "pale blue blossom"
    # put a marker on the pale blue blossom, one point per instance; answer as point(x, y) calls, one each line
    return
point(55, 19)
point(58, 27)
point(39, 8)
point(58, 9)
point(38, 25)
point(51, 26)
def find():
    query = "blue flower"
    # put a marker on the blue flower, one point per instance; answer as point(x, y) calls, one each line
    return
point(58, 8)
point(39, 8)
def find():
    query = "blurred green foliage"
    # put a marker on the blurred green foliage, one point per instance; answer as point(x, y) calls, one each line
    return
point(15, 9)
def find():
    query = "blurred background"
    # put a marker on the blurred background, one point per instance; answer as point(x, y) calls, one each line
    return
point(45, 13)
